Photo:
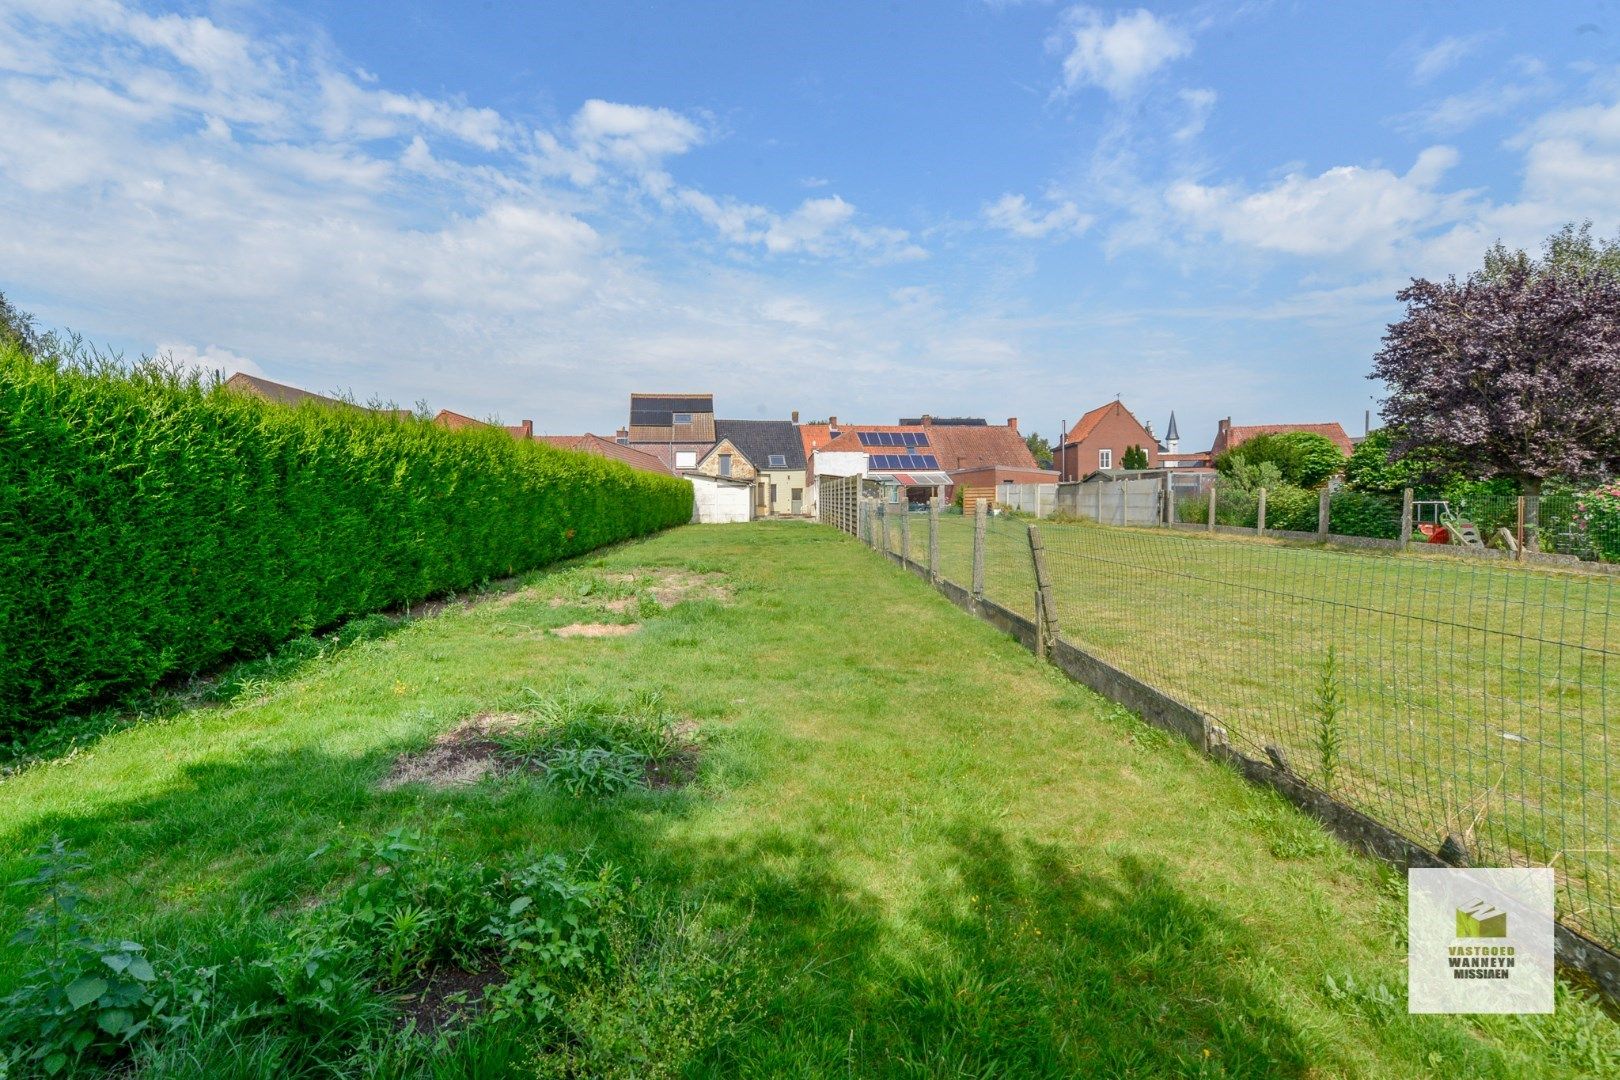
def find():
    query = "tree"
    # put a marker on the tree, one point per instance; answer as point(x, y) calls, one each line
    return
point(1040, 449)
point(1303, 458)
point(1133, 458)
point(17, 328)
point(1376, 467)
point(1515, 371)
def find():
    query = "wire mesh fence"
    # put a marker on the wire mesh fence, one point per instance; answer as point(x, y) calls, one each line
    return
point(1441, 697)
point(1584, 525)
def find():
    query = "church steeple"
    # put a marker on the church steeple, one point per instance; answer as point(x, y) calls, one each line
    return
point(1172, 437)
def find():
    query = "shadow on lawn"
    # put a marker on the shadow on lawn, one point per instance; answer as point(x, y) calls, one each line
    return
point(1009, 959)
point(1014, 963)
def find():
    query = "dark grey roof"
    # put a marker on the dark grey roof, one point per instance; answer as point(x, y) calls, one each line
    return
point(652, 410)
point(759, 439)
point(1171, 432)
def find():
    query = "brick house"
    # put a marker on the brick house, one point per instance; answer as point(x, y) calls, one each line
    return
point(457, 422)
point(610, 449)
point(1228, 437)
point(1099, 441)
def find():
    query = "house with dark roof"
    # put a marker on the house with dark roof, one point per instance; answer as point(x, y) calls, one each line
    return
point(671, 418)
point(1099, 440)
point(681, 431)
point(1230, 437)
point(776, 452)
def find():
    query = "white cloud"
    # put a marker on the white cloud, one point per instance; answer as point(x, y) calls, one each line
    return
point(1344, 210)
point(1443, 55)
point(179, 182)
point(1012, 213)
point(1117, 55)
point(1200, 103)
point(205, 361)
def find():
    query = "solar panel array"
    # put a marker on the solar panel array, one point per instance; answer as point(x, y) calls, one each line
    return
point(904, 462)
point(893, 438)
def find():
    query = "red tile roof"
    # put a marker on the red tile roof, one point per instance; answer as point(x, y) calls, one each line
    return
point(457, 422)
point(1228, 436)
point(608, 448)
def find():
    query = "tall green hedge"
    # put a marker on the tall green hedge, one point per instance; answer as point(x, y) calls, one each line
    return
point(150, 525)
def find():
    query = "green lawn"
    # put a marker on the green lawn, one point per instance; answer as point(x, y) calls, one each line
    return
point(911, 850)
point(1476, 698)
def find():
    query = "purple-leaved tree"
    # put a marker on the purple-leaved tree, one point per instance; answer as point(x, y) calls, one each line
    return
point(1514, 372)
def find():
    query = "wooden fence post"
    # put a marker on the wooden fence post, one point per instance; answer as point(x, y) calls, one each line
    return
point(883, 525)
point(1406, 517)
point(905, 536)
point(1046, 624)
point(933, 538)
point(1260, 515)
point(860, 517)
point(980, 519)
point(1212, 508)
point(1324, 508)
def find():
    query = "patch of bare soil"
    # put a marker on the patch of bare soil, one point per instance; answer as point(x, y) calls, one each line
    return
point(670, 587)
point(596, 629)
point(680, 767)
point(618, 607)
point(465, 754)
point(446, 995)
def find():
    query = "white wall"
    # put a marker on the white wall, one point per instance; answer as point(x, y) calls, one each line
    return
point(715, 503)
point(840, 464)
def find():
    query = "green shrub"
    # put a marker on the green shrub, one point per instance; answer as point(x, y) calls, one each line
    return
point(1290, 508)
point(1302, 458)
point(593, 745)
point(152, 525)
point(1362, 513)
point(1597, 518)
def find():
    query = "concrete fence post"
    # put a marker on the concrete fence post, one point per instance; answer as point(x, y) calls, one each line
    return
point(1169, 502)
point(1098, 517)
point(1324, 509)
point(1212, 508)
point(1406, 517)
point(1125, 503)
point(933, 538)
point(1260, 515)
point(980, 519)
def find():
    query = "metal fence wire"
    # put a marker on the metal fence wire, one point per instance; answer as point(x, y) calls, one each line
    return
point(1439, 696)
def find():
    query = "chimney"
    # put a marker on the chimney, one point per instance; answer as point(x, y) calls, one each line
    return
point(795, 416)
point(1012, 422)
point(926, 419)
point(832, 421)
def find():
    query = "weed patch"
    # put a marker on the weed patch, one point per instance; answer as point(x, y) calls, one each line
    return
point(464, 755)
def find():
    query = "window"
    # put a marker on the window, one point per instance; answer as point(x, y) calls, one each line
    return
point(1105, 459)
point(725, 464)
point(777, 461)
point(773, 495)
point(894, 494)
point(681, 418)
point(686, 459)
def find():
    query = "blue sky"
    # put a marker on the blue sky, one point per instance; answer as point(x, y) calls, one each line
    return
point(999, 209)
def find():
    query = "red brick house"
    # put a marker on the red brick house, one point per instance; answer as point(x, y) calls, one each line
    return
point(1228, 437)
point(1099, 441)
point(610, 449)
point(457, 422)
